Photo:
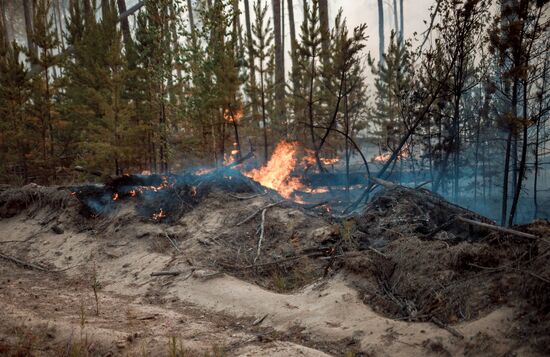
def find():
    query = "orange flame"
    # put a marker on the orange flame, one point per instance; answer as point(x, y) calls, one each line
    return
point(386, 156)
point(276, 174)
point(115, 196)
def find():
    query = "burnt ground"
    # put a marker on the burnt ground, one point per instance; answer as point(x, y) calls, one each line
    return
point(396, 279)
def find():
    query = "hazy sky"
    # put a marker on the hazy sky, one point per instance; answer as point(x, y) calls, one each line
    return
point(366, 11)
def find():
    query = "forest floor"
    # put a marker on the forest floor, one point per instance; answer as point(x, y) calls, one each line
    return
point(404, 289)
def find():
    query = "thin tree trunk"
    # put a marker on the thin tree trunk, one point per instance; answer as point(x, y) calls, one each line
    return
point(395, 22)
point(60, 21)
point(264, 121)
point(523, 161)
point(505, 179)
point(401, 22)
point(251, 66)
point(190, 14)
point(537, 137)
point(324, 27)
point(294, 54)
point(125, 27)
point(8, 35)
point(279, 63)
point(381, 46)
point(28, 12)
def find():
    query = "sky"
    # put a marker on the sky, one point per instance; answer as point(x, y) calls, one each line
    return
point(366, 11)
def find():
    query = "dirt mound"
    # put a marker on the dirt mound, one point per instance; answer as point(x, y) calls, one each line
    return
point(408, 255)
point(424, 264)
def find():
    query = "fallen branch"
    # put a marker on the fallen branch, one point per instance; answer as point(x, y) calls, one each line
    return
point(262, 230)
point(258, 211)
point(23, 263)
point(452, 330)
point(498, 228)
point(173, 273)
point(172, 242)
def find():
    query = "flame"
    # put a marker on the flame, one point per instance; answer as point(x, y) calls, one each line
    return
point(115, 196)
point(276, 174)
point(233, 116)
point(232, 157)
point(386, 156)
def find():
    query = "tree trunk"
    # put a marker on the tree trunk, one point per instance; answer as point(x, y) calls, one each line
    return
point(28, 12)
point(60, 22)
point(381, 45)
point(125, 27)
point(401, 22)
point(523, 161)
point(8, 34)
point(190, 14)
point(294, 54)
point(537, 137)
point(325, 32)
point(505, 179)
point(396, 23)
point(279, 64)
point(251, 66)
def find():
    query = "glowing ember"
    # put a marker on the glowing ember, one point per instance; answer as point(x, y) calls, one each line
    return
point(232, 157)
point(232, 116)
point(159, 215)
point(276, 174)
point(115, 196)
point(201, 172)
point(327, 161)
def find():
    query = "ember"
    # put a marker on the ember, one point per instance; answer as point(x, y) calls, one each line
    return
point(158, 216)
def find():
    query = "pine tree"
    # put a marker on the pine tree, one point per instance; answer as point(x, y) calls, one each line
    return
point(44, 42)
point(264, 53)
point(392, 79)
point(16, 143)
point(95, 100)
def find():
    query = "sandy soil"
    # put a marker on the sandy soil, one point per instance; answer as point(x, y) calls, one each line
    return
point(202, 310)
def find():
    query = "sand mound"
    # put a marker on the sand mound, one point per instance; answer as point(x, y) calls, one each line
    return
point(395, 280)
